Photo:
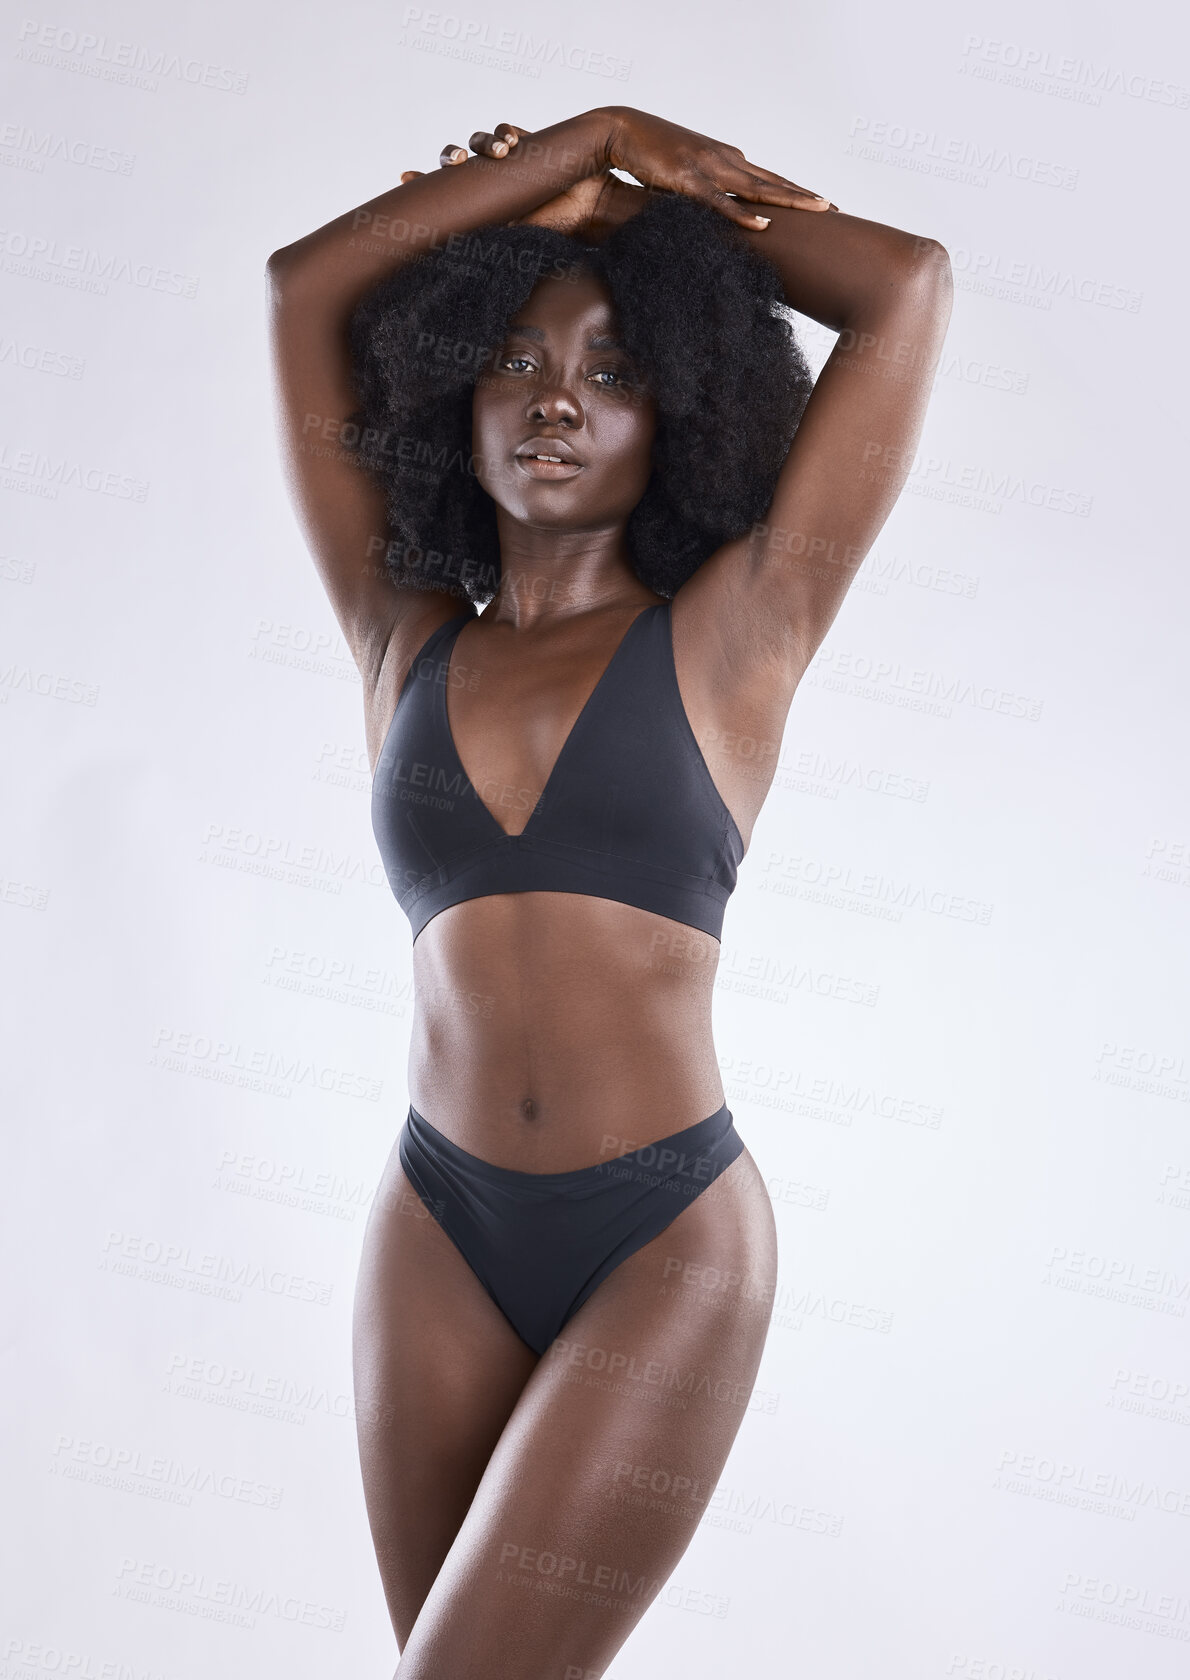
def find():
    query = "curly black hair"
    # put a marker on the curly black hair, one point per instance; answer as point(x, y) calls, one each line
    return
point(700, 314)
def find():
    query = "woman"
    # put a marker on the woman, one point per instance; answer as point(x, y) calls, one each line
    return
point(576, 404)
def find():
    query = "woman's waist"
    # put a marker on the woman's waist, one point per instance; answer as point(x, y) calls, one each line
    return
point(523, 1097)
point(546, 1021)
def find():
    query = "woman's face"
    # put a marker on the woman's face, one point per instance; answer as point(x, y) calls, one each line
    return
point(561, 385)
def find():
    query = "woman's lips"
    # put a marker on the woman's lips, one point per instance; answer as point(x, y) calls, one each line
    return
point(535, 468)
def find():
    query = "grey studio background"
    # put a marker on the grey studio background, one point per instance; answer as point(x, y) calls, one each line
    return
point(950, 1010)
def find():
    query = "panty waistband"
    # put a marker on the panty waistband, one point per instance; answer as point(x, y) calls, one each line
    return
point(693, 1156)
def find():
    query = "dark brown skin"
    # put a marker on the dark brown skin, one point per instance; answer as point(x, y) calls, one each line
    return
point(560, 377)
point(547, 1023)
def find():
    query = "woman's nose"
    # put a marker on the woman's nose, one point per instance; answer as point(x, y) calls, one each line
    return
point(554, 405)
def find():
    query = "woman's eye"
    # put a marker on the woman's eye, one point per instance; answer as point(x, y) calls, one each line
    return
point(610, 378)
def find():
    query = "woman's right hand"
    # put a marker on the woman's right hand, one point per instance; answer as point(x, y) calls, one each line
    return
point(663, 154)
point(589, 210)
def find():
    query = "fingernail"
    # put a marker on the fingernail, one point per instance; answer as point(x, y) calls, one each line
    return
point(457, 154)
point(499, 148)
point(763, 220)
point(822, 198)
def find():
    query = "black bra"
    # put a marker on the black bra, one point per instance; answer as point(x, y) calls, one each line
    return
point(629, 811)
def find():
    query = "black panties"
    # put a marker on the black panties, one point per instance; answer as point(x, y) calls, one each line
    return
point(541, 1242)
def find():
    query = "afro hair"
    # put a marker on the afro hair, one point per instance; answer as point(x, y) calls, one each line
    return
point(702, 317)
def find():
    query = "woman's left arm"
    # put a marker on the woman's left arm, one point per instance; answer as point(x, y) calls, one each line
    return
point(888, 295)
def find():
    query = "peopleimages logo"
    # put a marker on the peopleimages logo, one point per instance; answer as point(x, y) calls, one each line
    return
point(79, 267)
point(27, 149)
point(109, 60)
point(875, 677)
point(1064, 74)
point(1036, 283)
point(58, 472)
point(477, 40)
point(972, 161)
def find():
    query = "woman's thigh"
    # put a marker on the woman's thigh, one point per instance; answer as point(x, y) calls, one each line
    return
point(437, 1371)
point(610, 1455)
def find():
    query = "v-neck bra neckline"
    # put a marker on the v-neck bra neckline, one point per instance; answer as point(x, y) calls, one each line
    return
point(442, 719)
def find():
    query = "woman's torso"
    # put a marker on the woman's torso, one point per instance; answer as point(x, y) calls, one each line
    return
point(553, 1028)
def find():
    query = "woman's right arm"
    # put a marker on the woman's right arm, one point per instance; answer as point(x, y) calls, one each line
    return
point(314, 286)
